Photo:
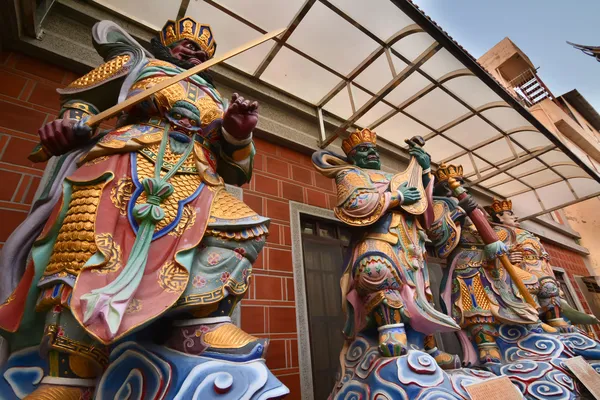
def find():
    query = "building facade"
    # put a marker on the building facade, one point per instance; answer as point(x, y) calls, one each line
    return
point(572, 119)
point(294, 296)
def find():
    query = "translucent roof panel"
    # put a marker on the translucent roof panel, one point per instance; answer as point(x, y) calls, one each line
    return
point(331, 40)
point(531, 140)
point(442, 63)
point(570, 171)
point(496, 180)
point(470, 89)
point(526, 168)
point(496, 152)
point(525, 204)
point(466, 117)
point(446, 109)
point(378, 111)
point(585, 187)
point(412, 85)
point(152, 13)
point(400, 127)
point(413, 45)
point(267, 14)
point(541, 178)
point(463, 132)
point(298, 76)
point(555, 194)
point(505, 118)
point(376, 75)
point(381, 17)
point(510, 188)
point(340, 104)
point(221, 25)
point(440, 148)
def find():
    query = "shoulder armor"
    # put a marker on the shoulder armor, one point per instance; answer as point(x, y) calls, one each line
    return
point(115, 68)
point(228, 212)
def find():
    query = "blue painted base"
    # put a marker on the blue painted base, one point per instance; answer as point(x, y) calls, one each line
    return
point(533, 361)
point(152, 372)
point(162, 373)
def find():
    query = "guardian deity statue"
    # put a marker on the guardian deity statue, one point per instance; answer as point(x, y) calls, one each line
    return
point(477, 291)
point(135, 255)
point(390, 352)
point(527, 252)
point(385, 284)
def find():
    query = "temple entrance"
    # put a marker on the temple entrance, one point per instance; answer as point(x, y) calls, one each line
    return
point(324, 244)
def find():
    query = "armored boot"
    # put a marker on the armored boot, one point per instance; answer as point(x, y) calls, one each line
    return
point(550, 307)
point(216, 337)
point(485, 339)
point(392, 335)
point(71, 377)
point(75, 360)
point(443, 359)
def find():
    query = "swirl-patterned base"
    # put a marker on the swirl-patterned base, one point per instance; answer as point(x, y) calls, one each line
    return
point(153, 372)
point(416, 376)
point(22, 373)
point(533, 361)
point(157, 373)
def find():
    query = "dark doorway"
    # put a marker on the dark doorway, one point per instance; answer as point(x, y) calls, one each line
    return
point(324, 244)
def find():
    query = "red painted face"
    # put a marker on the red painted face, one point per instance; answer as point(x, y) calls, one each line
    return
point(187, 50)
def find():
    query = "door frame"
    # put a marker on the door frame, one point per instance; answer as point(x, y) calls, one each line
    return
point(572, 291)
point(302, 317)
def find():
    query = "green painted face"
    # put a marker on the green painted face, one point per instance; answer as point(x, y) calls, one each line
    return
point(365, 156)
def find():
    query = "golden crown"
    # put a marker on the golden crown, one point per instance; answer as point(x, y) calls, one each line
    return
point(187, 28)
point(499, 206)
point(444, 172)
point(358, 137)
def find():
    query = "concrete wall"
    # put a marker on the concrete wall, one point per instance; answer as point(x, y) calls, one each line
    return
point(579, 133)
point(584, 217)
point(505, 61)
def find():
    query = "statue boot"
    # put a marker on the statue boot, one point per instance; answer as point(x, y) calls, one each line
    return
point(392, 335)
point(71, 377)
point(61, 392)
point(550, 305)
point(216, 337)
point(484, 336)
point(444, 360)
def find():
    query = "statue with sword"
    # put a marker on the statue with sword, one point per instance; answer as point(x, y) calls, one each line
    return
point(125, 275)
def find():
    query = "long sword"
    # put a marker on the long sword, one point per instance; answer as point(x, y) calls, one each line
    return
point(39, 154)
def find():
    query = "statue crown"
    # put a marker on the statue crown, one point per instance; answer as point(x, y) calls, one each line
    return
point(499, 206)
point(357, 138)
point(444, 172)
point(188, 28)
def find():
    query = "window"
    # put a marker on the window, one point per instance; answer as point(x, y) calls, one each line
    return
point(560, 278)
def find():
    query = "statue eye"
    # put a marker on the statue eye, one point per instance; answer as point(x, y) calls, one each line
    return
point(177, 116)
point(193, 122)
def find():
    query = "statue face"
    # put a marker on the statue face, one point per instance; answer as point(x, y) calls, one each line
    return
point(365, 156)
point(508, 218)
point(187, 50)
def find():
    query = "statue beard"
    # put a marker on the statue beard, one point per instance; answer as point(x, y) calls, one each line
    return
point(163, 53)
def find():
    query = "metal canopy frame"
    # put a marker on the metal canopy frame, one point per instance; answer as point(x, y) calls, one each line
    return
point(494, 177)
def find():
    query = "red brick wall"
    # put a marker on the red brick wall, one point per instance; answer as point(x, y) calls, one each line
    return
point(28, 99)
point(269, 310)
point(573, 264)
